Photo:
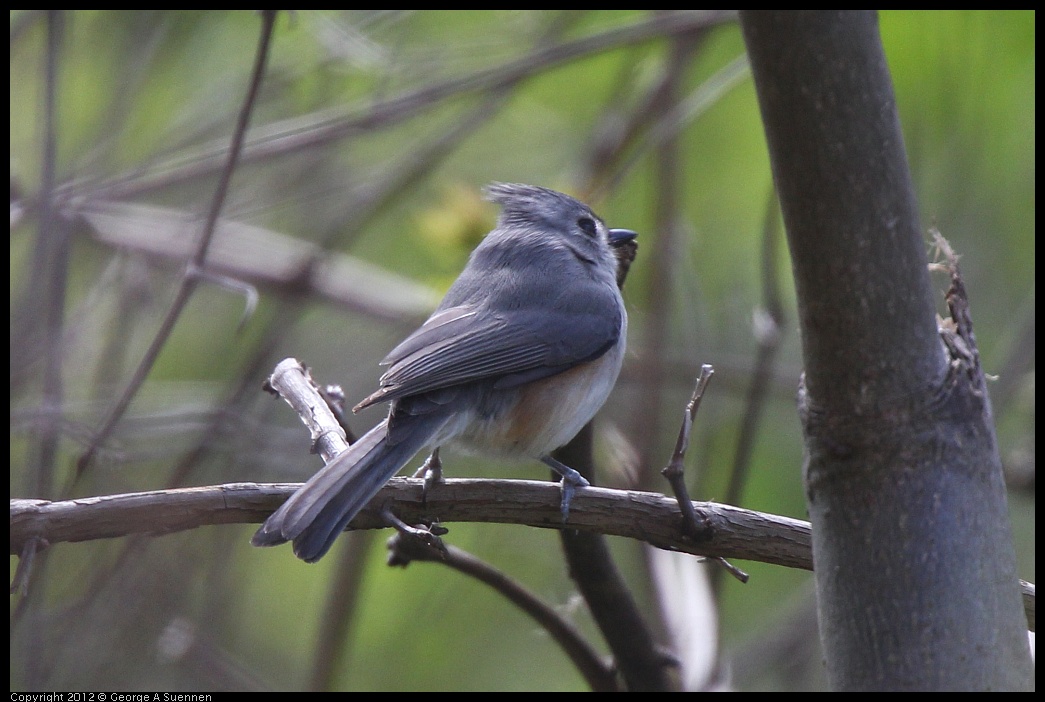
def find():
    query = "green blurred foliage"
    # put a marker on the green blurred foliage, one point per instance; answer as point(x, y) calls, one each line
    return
point(137, 90)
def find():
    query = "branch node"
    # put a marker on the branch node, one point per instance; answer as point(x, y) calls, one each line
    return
point(695, 524)
point(410, 543)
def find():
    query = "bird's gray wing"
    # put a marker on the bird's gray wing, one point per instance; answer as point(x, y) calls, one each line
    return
point(467, 343)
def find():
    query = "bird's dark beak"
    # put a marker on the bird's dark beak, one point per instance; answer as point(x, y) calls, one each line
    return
point(624, 248)
point(619, 237)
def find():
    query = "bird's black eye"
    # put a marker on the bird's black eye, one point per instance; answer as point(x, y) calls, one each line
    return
point(587, 225)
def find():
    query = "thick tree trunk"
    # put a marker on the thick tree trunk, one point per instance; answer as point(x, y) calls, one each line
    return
point(915, 567)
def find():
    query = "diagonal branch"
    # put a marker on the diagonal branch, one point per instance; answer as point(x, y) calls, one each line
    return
point(191, 279)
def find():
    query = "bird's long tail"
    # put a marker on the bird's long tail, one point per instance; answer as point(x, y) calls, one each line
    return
point(316, 514)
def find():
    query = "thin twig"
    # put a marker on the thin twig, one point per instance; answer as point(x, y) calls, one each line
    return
point(189, 281)
point(53, 264)
point(333, 640)
point(675, 470)
point(768, 328)
point(248, 291)
point(670, 124)
point(292, 381)
point(53, 249)
point(664, 257)
point(698, 526)
point(20, 581)
point(406, 547)
point(290, 136)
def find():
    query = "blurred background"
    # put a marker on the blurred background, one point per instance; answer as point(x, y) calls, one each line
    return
point(355, 204)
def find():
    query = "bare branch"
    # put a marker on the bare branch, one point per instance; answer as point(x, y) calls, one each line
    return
point(600, 676)
point(189, 282)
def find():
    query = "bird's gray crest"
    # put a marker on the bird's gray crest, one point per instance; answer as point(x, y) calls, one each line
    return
point(527, 204)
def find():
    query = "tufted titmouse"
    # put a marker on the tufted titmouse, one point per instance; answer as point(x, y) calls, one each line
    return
point(518, 357)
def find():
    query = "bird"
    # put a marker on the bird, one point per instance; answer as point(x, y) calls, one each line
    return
point(521, 353)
